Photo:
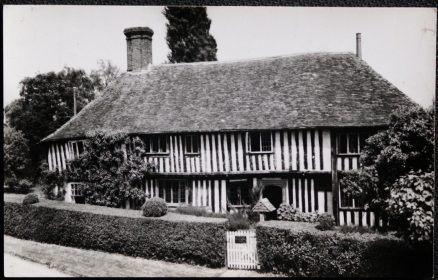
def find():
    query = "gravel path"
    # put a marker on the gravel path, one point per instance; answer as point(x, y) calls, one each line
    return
point(80, 262)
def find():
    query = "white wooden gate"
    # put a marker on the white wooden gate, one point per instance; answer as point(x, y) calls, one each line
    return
point(242, 249)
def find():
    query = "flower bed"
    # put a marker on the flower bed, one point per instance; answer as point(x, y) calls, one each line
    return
point(119, 231)
point(298, 249)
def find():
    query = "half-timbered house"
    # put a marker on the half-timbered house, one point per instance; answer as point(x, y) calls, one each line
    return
point(215, 130)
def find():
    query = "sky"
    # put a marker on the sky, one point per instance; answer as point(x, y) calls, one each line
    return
point(399, 43)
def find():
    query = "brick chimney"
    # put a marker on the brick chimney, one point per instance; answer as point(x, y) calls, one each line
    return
point(359, 45)
point(139, 44)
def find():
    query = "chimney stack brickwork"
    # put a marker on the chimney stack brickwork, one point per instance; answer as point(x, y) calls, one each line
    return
point(139, 47)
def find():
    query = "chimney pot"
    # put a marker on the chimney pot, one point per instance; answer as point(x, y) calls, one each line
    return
point(139, 47)
point(359, 45)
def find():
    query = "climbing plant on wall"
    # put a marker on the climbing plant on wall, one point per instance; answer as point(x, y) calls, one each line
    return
point(112, 168)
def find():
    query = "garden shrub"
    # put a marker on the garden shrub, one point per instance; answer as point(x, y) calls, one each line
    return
point(411, 206)
point(396, 178)
point(30, 198)
point(50, 180)
point(154, 207)
point(325, 222)
point(237, 221)
point(24, 186)
point(288, 212)
point(200, 243)
point(331, 254)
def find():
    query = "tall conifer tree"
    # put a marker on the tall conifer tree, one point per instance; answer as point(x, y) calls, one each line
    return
point(188, 35)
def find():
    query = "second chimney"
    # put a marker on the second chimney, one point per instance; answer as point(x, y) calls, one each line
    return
point(139, 44)
point(358, 45)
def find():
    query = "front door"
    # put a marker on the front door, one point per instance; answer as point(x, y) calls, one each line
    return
point(275, 195)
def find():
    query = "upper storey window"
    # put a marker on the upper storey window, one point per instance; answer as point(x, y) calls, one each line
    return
point(259, 142)
point(192, 144)
point(156, 144)
point(76, 147)
point(351, 143)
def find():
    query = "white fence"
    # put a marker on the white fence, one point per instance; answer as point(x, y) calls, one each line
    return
point(242, 249)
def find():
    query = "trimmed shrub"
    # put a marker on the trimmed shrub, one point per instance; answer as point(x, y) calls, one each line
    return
point(330, 254)
point(200, 243)
point(288, 212)
point(154, 207)
point(30, 199)
point(325, 221)
point(237, 221)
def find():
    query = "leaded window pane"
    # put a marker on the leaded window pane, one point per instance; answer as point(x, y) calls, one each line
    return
point(266, 141)
point(352, 143)
point(255, 141)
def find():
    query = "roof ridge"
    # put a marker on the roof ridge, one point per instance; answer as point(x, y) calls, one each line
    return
point(248, 59)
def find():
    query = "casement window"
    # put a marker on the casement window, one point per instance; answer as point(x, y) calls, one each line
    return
point(259, 142)
point(77, 192)
point(192, 144)
point(76, 147)
point(173, 191)
point(238, 192)
point(156, 144)
point(351, 143)
point(348, 201)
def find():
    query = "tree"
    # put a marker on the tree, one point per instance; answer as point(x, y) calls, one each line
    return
point(46, 103)
point(104, 74)
point(394, 163)
point(16, 155)
point(188, 35)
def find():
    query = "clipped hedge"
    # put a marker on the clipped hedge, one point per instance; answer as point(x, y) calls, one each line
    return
point(194, 243)
point(331, 254)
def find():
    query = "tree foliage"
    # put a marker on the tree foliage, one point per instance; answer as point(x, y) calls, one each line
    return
point(104, 74)
point(111, 175)
point(46, 103)
point(188, 35)
point(411, 202)
point(395, 161)
point(16, 155)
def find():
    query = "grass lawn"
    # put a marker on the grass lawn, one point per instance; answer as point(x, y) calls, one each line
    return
point(80, 262)
point(170, 216)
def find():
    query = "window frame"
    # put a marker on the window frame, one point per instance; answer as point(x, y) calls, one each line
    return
point(74, 147)
point(191, 141)
point(354, 203)
point(249, 139)
point(164, 188)
point(150, 142)
point(75, 193)
point(347, 134)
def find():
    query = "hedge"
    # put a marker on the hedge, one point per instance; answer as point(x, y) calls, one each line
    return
point(331, 254)
point(194, 243)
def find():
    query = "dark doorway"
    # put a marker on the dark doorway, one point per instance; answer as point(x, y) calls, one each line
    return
point(275, 195)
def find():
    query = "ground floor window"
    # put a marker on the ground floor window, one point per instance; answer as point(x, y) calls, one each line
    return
point(238, 192)
point(348, 201)
point(173, 191)
point(77, 192)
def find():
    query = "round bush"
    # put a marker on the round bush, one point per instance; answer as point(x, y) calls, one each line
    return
point(325, 222)
point(30, 199)
point(24, 186)
point(154, 207)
